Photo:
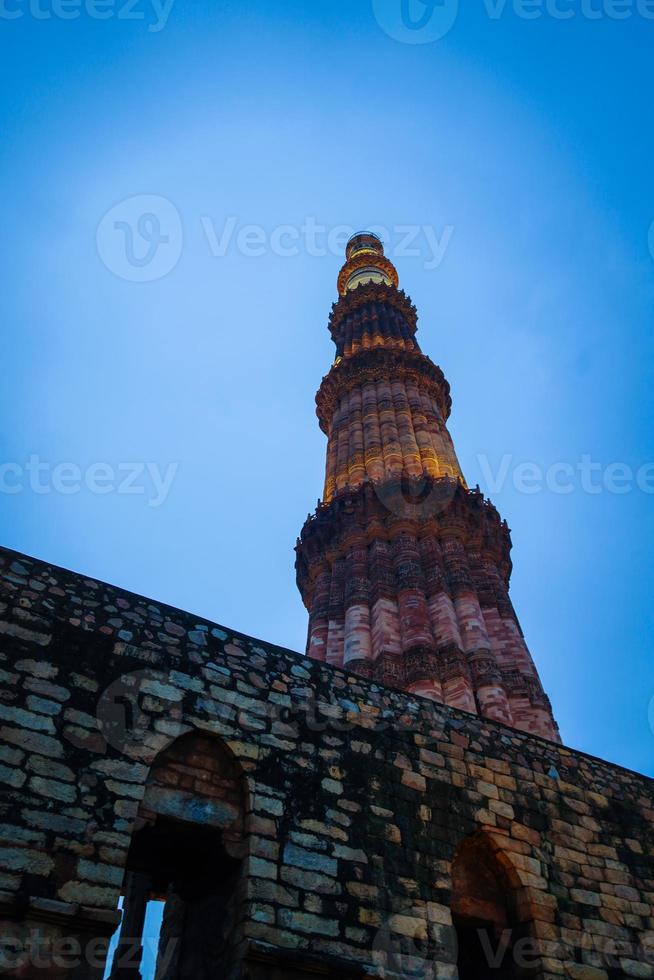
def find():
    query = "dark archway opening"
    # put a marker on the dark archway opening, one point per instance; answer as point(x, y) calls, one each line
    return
point(189, 857)
point(187, 853)
point(493, 942)
point(187, 867)
point(482, 951)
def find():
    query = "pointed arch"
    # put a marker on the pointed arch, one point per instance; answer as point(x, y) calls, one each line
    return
point(187, 851)
point(492, 912)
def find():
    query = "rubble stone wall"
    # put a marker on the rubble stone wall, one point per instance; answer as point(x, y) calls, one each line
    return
point(359, 797)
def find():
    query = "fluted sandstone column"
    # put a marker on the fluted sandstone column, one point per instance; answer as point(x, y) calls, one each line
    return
point(404, 571)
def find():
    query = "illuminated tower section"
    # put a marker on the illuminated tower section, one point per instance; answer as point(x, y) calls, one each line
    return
point(404, 570)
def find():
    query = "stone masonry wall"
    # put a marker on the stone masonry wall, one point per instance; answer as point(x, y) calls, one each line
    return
point(358, 796)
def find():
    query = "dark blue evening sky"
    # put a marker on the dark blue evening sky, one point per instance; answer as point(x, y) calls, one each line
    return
point(525, 147)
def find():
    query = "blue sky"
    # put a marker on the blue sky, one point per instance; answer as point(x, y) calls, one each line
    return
point(524, 146)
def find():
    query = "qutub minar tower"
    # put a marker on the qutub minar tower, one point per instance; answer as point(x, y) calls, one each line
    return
point(404, 570)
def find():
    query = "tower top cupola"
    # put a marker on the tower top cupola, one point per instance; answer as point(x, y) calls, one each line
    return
point(365, 262)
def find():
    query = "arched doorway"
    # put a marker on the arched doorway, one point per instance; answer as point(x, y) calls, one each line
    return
point(494, 940)
point(187, 851)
